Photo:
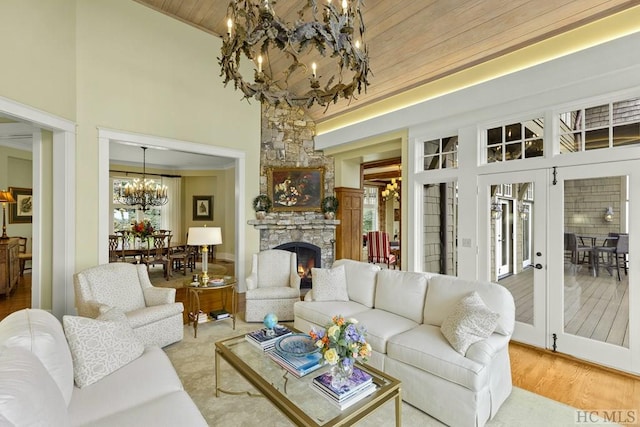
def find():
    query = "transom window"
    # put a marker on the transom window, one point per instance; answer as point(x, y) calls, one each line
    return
point(441, 153)
point(615, 124)
point(515, 141)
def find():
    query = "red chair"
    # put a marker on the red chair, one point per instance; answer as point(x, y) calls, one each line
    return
point(379, 249)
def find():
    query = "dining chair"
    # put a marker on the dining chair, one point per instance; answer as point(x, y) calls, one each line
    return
point(616, 250)
point(23, 255)
point(379, 249)
point(182, 257)
point(116, 248)
point(158, 253)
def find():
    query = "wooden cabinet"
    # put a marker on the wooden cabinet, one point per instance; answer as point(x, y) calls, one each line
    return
point(349, 232)
point(9, 265)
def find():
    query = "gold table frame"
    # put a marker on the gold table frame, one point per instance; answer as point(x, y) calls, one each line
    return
point(281, 387)
point(193, 301)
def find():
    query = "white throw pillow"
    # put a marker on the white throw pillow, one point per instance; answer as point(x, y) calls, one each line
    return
point(99, 347)
point(470, 321)
point(330, 284)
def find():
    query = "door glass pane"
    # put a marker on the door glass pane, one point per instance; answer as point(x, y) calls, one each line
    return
point(440, 228)
point(511, 243)
point(596, 254)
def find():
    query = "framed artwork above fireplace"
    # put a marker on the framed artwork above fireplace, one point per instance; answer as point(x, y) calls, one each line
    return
point(296, 189)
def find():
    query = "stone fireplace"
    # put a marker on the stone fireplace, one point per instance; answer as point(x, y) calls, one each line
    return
point(308, 255)
point(309, 235)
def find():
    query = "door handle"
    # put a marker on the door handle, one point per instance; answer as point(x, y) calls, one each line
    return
point(538, 266)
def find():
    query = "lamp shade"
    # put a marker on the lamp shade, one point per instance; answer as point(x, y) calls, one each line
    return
point(6, 197)
point(204, 236)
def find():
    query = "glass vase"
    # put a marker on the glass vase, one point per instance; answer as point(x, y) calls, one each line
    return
point(340, 373)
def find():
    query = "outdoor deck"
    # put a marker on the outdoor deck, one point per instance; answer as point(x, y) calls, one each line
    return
point(594, 307)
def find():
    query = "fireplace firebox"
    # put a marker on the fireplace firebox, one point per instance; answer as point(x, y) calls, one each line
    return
point(308, 255)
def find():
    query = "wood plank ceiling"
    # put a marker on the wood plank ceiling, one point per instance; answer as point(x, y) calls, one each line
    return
point(412, 42)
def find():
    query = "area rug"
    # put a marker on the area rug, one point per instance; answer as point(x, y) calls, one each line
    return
point(195, 363)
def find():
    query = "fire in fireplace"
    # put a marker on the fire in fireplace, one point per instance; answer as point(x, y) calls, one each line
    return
point(308, 255)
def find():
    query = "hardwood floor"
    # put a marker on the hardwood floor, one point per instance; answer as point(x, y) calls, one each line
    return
point(558, 377)
point(20, 297)
point(574, 382)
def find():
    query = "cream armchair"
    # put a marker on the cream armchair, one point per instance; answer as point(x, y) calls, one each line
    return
point(152, 312)
point(273, 286)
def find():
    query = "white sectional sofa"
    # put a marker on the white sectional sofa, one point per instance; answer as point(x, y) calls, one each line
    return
point(37, 380)
point(403, 313)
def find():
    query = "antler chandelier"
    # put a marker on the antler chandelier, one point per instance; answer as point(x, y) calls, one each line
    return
point(322, 51)
point(144, 193)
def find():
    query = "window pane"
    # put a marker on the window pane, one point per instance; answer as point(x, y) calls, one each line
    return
point(533, 148)
point(570, 143)
point(440, 235)
point(626, 111)
point(450, 160)
point(494, 154)
point(513, 151)
point(494, 136)
point(595, 139)
point(572, 120)
point(431, 162)
point(514, 132)
point(626, 135)
point(597, 116)
point(431, 147)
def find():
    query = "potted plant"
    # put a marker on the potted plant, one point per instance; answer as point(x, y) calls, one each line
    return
point(329, 206)
point(262, 205)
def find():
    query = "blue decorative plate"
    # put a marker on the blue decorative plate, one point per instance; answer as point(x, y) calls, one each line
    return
point(296, 345)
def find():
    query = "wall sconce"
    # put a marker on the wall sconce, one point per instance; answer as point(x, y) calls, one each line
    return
point(608, 215)
point(524, 211)
point(496, 209)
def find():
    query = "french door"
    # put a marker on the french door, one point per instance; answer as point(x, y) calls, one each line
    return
point(593, 263)
point(516, 249)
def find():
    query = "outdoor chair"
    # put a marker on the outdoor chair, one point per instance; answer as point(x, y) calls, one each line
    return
point(615, 250)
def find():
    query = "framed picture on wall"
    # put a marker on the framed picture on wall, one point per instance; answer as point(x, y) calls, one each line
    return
point(296, 189)
point(21, 212)
point(202, 208)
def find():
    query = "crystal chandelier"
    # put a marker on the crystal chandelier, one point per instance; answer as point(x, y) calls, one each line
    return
point(144, 193)
point(392, 192)
point(320, 47)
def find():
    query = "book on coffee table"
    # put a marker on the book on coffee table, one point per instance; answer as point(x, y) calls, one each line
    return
point(265, 342)
point(299, 366)
point(351, 399)
point(359, 380)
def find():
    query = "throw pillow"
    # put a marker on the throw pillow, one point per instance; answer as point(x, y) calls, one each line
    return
point(99, 347)
point(470, 321)
point(330, 284)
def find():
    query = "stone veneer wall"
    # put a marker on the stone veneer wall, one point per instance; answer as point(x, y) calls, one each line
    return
point(287, 141)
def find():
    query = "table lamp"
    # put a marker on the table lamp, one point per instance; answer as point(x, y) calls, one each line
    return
point(204, 236)
point(5, 197)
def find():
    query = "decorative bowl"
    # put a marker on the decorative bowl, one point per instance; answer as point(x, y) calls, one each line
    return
point(296, 345)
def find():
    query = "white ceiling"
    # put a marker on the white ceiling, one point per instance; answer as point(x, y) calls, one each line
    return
point(124, 153)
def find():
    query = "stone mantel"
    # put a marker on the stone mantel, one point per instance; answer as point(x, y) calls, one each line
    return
point(277, 229)
point(294, 223)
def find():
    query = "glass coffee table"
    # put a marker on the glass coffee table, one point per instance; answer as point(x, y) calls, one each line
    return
point(295, 397)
